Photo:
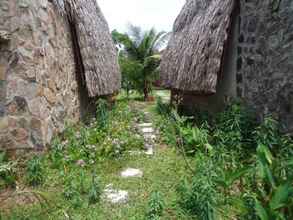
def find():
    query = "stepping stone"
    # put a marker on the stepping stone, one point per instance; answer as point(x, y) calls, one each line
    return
point(149, 149)
point(115, 196)
point(147, 130)
point(130, 172)
point(149, 136)
point(145, 125)
point(134, 153)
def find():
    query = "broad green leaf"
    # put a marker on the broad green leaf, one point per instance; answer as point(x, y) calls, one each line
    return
point(264, 150)
point(261, 211)
point(281, 196)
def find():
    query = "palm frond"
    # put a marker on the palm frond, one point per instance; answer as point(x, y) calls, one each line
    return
point(162, 40)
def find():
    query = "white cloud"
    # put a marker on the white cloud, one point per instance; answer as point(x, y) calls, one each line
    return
point(160, 14)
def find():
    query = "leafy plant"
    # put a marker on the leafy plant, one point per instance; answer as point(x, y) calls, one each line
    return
point(274, 199)
point(56, 154)
point(35, 171)
point(195, 139)
point(234, 127)
point(95, 191)
point(102, 114)
point(155, 206)
point(268, 133)
point(141, 48)
point(163, 108)
point(201, 197)
point(7, 172)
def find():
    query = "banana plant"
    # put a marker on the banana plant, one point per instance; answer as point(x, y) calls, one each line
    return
point(274, 201)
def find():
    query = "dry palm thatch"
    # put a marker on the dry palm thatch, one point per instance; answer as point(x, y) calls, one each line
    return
point(193, 58)
point(96, 55)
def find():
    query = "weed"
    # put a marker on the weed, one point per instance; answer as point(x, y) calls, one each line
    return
point(95, 191)
point(163, 108)
point(102, 113)
point(200, 197)
point(234, 127)
point(7, 172)
point(35, 171)
point(274, 197)
point(155, 206)
point(195, 139)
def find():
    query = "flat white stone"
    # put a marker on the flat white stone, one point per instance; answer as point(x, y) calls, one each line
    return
point(115, 196)
point(130, 172)
point(135, 153)
point(147, 130)
point(150, 151)
point(149, 136)
point(146, 125)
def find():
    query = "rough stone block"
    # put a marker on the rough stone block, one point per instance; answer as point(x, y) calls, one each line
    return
point(2, 72)
point(3, 124)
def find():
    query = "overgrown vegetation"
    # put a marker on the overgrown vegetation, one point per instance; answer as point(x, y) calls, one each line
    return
point(139, 58)
point(224, 166)
point(73, 162)
point(243, 170)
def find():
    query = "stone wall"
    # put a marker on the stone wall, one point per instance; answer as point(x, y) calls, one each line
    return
point(265, 58)
point(38, 87)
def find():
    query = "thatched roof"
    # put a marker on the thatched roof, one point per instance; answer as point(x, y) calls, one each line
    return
point(97, 53)
point(193, 58)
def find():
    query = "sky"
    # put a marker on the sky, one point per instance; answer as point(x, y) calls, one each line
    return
point(160, 14)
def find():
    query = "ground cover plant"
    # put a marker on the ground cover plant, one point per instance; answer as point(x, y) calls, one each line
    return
point(242, 169)
point(225, 166)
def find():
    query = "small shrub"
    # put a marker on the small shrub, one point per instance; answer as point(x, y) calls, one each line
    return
point(56, 154)
point(102, 113)
point(7, 172)
point(35, 171)
point(274, 195)
point(195, 139)
point(95, 191)
point(268, 134)
point(155, 206)
point(163, 108)
point(234, 127)
point(71, 191)
point(201, 197)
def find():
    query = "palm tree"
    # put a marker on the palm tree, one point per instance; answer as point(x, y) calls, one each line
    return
point(143, 48)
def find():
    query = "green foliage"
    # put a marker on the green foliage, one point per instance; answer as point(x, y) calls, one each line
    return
point(242, 169)
point(234, 127)
point(95, 191)
point(162, 108)
point(140, 59)
point(56, 155)
point(7, 172)
point(200, 197)
point(155, 206)
point(274, 197)
point(35, 171)
point(195, 139)
point(110, 136)
point(131, 71)
point(102, 114)
point(268, 134)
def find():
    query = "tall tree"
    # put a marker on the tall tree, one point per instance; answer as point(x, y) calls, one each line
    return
point(142, 48)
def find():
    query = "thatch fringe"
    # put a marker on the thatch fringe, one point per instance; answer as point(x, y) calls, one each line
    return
point(96, 49)
point(193, 58)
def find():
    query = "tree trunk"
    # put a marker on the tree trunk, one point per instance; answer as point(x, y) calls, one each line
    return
point(146, 91)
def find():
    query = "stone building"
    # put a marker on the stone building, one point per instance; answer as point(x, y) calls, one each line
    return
point(225, 49)
point(54, 59)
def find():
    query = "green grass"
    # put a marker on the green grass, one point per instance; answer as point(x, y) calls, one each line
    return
point(162, 173)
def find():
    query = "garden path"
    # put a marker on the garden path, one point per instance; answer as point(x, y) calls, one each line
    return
point(147, 130)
